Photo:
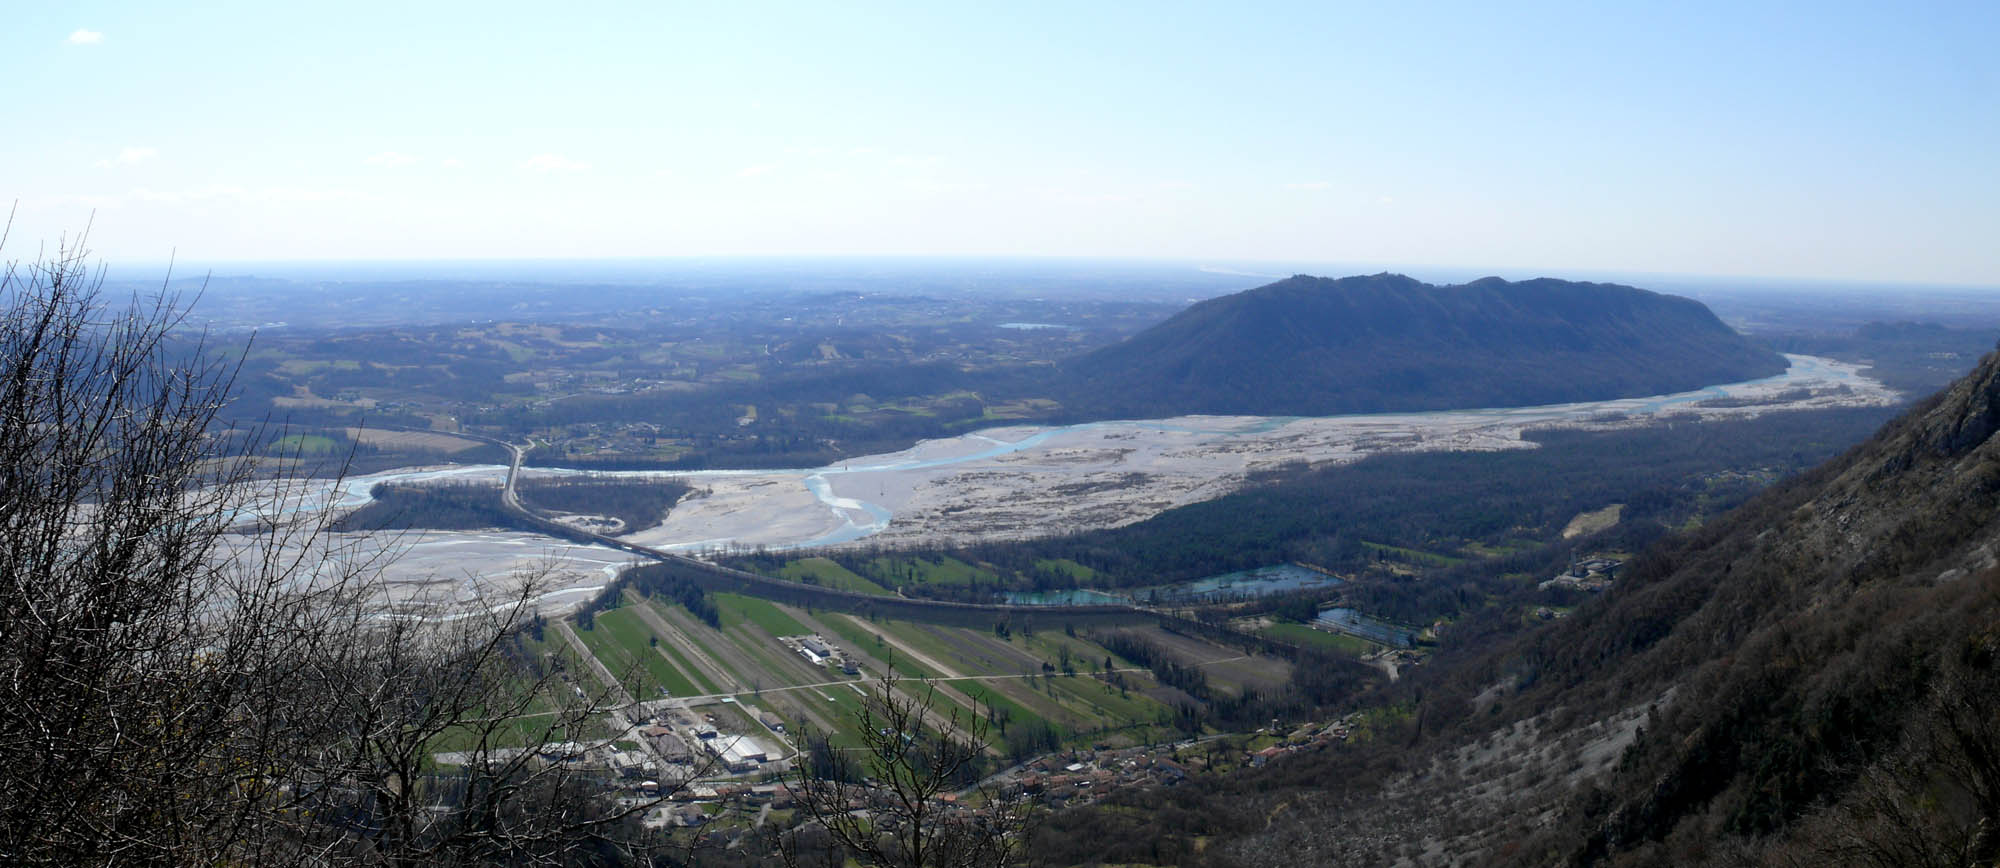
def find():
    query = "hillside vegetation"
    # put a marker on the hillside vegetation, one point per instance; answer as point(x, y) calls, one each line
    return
point(1319, 346)
point(1806, 681)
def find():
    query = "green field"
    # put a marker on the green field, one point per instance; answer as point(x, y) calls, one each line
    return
point(895, 571)
point(1079, 572)
point(826, 573)
point(1078, 706)
point(1308, 637)
point(1012, 676)
point(305, 444)
point(1112, 705)
point(687, 667)
point(1088, 656)
point(1414, 555)
point(621, 642)
point(1503, 549)
point(736, 608)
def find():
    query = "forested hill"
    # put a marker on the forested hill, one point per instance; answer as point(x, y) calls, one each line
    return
point(1319, 346)
point(1834, 651)
point(1810, 680)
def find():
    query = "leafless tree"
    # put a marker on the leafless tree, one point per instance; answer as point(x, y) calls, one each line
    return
point(178, 686)
point(440, 742)
point(889, 808)
point(1934, 800)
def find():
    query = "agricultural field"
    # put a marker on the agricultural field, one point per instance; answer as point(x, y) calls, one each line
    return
point(1309, 637)
point(942, 570)
point(1415, 556)
point(1031, 687)
point(627, 647)
point(824, 572)
point(721, 379)
point(411, 441)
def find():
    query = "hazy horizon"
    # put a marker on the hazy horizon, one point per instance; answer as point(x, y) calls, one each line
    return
point(1836, 143)
point(638, 270)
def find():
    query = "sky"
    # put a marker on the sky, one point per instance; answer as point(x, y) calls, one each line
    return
point(1822, 140)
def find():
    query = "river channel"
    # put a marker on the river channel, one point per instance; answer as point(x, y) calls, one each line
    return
point(1024, 481)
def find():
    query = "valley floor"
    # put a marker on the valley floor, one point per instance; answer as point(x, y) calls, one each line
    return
point(1020, 482)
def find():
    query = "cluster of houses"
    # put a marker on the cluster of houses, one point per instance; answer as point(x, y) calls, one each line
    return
point(625, 763)
point(609, 756)
point(1306, 736)
point(820, 652)
point(701, 741)
point(1056, 780)
point(697, 804)
point(1593, 574)
point(1082, 776)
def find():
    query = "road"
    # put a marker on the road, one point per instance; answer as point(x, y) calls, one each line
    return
point(820, 685)
point(752, 582)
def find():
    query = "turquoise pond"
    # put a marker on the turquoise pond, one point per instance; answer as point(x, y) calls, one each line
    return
point(1260, 582)
point(1373, 629)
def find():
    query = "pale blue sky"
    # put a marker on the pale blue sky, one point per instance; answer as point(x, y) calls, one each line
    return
point(1855, 141)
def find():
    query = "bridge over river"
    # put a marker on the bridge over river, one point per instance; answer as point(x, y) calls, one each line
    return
point(714, 577)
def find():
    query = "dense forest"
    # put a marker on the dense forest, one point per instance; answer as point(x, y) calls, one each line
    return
point(474, 506)
point(432, 507)
point(640, 504)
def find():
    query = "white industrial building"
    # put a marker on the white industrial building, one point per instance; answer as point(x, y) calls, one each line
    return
point(740, 753)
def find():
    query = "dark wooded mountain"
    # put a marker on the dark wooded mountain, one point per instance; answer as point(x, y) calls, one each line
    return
point(1808, 681)
point(1318, 346)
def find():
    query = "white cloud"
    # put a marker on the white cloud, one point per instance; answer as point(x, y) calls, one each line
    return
point(1385, 200)
point(756, 171)
point(553, 163)
point(129, 155)
point(81, 36)
point(452, 163)
point(1309, 185)
point(391, 159)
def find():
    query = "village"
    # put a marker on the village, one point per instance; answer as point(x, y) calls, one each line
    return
point(741, 781)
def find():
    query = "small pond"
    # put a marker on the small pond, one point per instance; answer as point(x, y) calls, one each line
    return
point(1373, 629)
point(1260, 582)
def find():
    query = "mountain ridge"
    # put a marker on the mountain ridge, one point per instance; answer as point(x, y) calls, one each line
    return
point(1370, 343)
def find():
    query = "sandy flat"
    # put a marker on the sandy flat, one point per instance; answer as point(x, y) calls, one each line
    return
point(1025, 481)
point(452, 569)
